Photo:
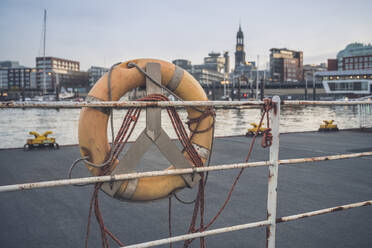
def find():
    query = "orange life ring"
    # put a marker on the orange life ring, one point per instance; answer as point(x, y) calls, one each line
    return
point(93, 123)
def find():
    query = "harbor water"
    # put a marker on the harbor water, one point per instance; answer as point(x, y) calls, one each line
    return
point(15, 124)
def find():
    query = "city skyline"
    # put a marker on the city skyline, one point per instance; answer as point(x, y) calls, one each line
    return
point(90, 31)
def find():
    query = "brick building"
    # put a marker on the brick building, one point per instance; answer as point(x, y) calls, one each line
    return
point(286, 65)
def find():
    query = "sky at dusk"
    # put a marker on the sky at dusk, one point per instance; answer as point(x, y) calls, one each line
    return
point(101, 33)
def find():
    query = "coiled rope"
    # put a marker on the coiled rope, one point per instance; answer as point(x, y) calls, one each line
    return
point(121, 139)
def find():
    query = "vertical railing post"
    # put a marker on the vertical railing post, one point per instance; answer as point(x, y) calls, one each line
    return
point(364, 114)
point(273, 174)
point(359, 117)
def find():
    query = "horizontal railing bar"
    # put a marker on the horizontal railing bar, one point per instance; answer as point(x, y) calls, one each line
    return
point(295, 102)
point(324, 158)
point(248, 225)
point(128, 104)
point(322, 211)
point(120, 177)
point(199, 234)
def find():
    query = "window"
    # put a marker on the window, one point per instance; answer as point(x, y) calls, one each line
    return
point(357, 86)
point(364, 85)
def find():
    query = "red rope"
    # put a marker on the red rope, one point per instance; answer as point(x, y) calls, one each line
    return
point(124, 133)
point(121, 139)
point(200, 198)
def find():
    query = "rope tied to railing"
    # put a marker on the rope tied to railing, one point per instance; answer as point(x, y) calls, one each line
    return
point(199, 204)
point(267, 137)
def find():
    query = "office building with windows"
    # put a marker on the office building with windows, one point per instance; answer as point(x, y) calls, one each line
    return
point(95, 73)
point(351, 73)
point(4, 66)
point(356, 56)
point(286, 65)
point(19, 78)
point(54, 69)
point(210, 72)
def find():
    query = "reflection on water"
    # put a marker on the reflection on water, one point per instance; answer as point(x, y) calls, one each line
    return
point(16, 123)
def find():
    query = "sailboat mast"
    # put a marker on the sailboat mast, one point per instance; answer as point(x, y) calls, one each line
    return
point(44, 71)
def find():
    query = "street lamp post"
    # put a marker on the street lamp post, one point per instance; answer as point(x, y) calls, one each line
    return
point(258, 57)
point(57, 86)
point(306, 87)
point(239, 86)
point(224, 84)
point(262, 94)
point(306, 78)
point(314, 90)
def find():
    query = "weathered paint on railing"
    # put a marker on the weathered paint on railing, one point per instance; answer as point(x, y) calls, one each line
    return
point(273, 174)
point(120, 177)
point(129, 104)
point(199, 234)
point(273, 163)
point(249, 225)
point(323, 211)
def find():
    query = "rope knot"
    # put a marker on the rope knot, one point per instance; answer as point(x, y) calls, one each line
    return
point(267, 138)
point(209, 111)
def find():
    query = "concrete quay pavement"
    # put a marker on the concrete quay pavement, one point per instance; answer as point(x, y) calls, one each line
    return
point(57, 217)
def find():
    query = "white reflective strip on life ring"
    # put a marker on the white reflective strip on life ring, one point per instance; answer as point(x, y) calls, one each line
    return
point(130, 189)
point(176, 79)
point(202, 151)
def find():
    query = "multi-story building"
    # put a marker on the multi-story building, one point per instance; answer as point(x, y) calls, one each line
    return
point(356, 56)
point(9, 64)
point(286, 65)
point(309, 70)
point(48, 68)
point(33, 82)
point(214, 62)
point(351, 73)
point(349, 82)
point(77, 81)
point(210, 72)
point(332, 65)
point(3, 78)
point(19, 78)
point(4, 66)
point(95, 73)
point(207, 77)
point(227, 61)
point(183, 63)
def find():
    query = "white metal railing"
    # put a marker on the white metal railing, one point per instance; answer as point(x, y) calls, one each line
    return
point(121, 177)
point(363, 111)
point(273, 164)
point(164, 104)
